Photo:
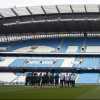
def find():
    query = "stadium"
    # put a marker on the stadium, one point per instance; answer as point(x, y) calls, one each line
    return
point(50, 40)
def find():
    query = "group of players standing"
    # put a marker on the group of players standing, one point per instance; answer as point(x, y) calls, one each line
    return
point(51, 79)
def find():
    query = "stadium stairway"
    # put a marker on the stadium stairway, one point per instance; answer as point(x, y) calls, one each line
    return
point(68, 62)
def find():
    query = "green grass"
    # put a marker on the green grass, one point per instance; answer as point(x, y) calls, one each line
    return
point(90, 92)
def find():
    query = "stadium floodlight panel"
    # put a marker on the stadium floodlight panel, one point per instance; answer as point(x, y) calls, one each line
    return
point(7, 12)
point(21, 11)
point(64, 8)
point(92, 8)
point(50, 9)
point(78, 8)
point(36, 10)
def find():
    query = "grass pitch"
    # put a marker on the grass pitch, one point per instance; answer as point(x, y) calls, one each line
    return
point(87, 92)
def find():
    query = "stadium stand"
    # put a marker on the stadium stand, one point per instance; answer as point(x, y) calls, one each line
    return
point(57, 29)
point(57, 45)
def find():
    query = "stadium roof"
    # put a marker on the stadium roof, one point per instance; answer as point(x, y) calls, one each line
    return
point(52, 18)
point(42, 10)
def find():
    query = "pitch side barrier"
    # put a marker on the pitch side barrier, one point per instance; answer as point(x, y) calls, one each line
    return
point(49, 69)
point(54, 55)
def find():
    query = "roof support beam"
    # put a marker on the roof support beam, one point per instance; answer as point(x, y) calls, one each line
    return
point(14, 11)
point(29, 11)
point(43, 9)
point(1, 16)
point(71, 8)
point(57, 9)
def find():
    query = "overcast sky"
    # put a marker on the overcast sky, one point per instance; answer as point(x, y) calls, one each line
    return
point(17, 3)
